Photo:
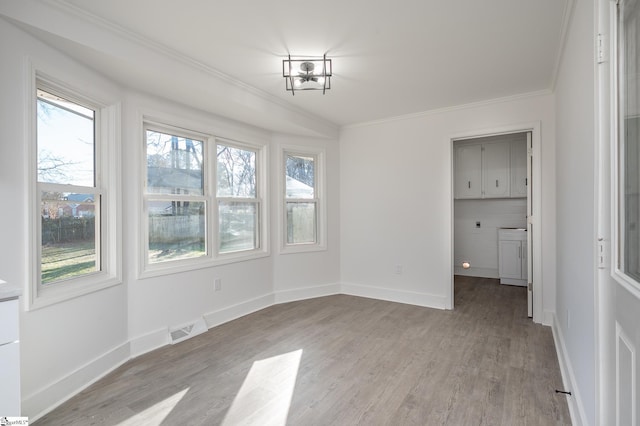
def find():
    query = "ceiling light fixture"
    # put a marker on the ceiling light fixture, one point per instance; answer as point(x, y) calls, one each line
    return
point(308, 73)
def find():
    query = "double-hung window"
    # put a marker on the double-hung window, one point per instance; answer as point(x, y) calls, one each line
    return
point(175, 200)
point(74, 206)
point(237, 198)
point(202, 200)
point(302, 202)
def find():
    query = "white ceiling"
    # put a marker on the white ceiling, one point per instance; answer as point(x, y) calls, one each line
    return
point(390, 58)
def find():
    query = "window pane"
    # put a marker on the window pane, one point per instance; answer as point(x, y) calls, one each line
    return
point(174, 164)
point(65, 141)
point(301, 223)
point(68, 235)
point(630, 140)
point(238, 226)
point(300, 176)
point(236, 172)
point(176, 230)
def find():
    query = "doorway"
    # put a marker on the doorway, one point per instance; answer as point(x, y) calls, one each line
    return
point(494, 205)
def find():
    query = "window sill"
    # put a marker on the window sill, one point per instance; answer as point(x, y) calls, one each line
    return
point(302, 248)
point(180, 266)
point(62, 292)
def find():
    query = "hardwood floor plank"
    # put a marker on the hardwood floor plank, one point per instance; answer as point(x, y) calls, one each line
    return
point(344, 360)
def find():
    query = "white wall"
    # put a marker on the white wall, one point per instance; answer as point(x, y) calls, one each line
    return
point(396, 198)
point(302, 275)
point(171, 300)
point(62, 339)
point(68, 345)
point(479, 246)
point(575, 146)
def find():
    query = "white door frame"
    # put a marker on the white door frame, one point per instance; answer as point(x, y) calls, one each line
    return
point(536, 172)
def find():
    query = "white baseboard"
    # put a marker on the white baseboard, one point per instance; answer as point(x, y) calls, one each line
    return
point(232, 312)
point(304, 293)
point(476, 272)
point(392, 295)
point(148, 342)
point(574, 401)
point(46, 399)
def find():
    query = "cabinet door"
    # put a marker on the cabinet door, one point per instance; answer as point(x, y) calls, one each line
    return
point(509, 259)
point(10, 380)
point(519, 169)
point(468, 172)
point(495, 170)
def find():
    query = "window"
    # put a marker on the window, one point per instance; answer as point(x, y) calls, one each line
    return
point(202, 201)
point(302, 207)
point(73, 202)
point(237, 196)
point(628, 156)
point(175, 197)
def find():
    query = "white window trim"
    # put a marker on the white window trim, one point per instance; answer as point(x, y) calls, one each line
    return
point(107, 185)
point(212, 257)
point(617, 273)
point(321, 225)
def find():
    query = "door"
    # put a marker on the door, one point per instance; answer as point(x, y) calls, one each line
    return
point(468, 172)
point(529, 245)
point(510, 261)
point(618, 247)
point(519, 169)
point(495, 169)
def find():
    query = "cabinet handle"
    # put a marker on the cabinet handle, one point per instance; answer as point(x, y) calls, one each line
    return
point(496, 183)
point(520, 252)
point(469, 184)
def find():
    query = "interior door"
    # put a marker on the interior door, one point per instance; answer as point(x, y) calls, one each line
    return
point(529, 183)
point(618, 245)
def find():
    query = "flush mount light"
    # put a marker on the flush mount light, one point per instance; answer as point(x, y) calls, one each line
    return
point(307, 73)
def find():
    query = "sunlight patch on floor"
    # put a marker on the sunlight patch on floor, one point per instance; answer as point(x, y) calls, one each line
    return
point(265, 395)
point(155, 414)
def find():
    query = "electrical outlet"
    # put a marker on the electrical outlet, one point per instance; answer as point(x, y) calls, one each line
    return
point(217, 284)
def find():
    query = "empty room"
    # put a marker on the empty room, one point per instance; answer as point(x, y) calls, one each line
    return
point(334, 213)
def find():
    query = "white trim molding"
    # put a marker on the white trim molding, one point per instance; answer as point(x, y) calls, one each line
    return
point(574, 401)
point(393, 295)
point(51, 396)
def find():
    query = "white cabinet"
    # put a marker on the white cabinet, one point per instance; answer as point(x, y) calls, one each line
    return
point(491, 169)
point(495, 170)
point(468, 171)
point(512, 256)
point(519, 169)
point(9, 359)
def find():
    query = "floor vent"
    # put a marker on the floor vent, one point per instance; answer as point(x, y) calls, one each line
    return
point(186, 331)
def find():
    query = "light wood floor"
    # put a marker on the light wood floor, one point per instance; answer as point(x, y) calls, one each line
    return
point(344, 360)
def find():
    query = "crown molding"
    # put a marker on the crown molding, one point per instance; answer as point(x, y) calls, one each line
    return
point(75, 12)
point(437, 111)
point(564, 30)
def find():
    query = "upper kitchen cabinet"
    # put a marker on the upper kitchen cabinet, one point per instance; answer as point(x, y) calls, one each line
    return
point(519, 169)
point(491, 169)
point(468, 171)
point(495, 170)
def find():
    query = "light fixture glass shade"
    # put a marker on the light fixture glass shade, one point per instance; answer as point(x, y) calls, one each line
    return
point(307, 73)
